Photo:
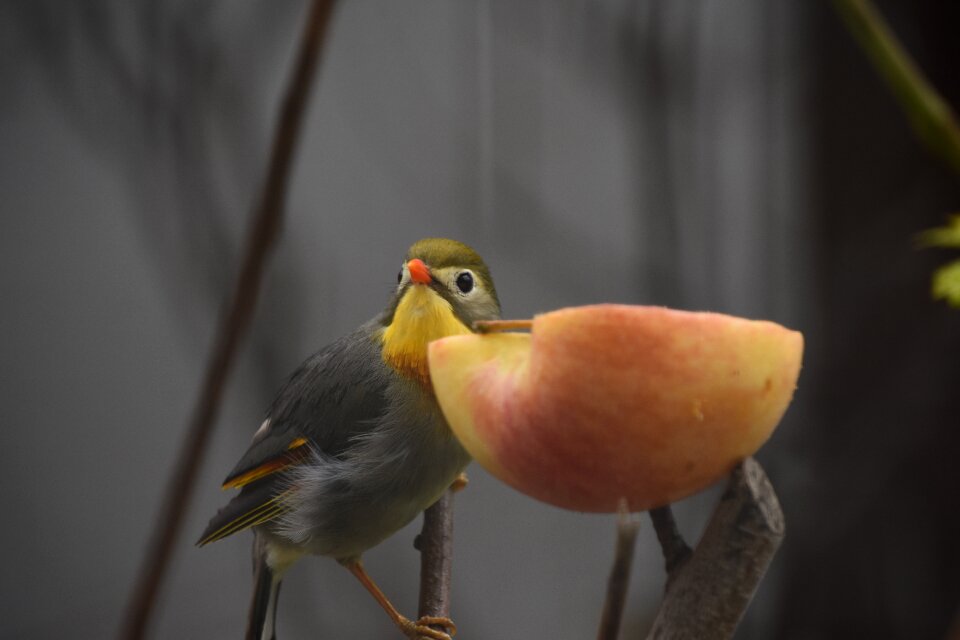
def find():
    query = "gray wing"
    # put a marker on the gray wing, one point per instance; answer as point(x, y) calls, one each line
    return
point(335, 395)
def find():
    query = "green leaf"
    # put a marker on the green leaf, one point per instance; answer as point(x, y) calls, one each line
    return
point(948, 236)
point(946, 283)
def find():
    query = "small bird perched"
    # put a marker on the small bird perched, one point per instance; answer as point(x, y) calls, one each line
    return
point(354, 446)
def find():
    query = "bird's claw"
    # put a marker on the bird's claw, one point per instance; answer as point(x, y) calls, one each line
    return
point(439, 621)
point(421, 628)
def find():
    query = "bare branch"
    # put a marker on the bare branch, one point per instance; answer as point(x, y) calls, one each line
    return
point(435, 544)
point(232, 327)
point(628, 526)
point(707, 595)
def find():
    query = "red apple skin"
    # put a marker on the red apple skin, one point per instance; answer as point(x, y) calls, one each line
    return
point(606, 402)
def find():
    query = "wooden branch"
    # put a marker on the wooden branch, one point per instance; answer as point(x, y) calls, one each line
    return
point(435, 544)
point(232, 327)
point(707, 595)
point(628, 527)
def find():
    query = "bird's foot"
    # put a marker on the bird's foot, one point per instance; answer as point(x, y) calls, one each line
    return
point(421, 628)
point(460, 483)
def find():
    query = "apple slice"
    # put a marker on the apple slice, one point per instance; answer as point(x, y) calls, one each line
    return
point(605, 402)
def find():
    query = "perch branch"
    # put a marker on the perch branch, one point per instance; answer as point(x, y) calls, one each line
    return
point(627, 528)
point(930, 115)
point(232, 327)
point(707, 595)
point(435, 544)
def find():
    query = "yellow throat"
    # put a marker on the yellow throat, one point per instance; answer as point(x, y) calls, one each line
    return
point(421, 317)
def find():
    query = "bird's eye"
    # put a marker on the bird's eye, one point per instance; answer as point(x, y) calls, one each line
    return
point(465, 282)
point(400, 276)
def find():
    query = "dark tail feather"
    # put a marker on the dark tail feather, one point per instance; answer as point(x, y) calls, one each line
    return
point(262, 624)
point(255, 504)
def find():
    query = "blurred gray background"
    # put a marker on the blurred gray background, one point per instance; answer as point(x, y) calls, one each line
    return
point(732, 156)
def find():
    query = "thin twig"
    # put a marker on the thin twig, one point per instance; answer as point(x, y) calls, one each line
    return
point(708, 594)
point(627, 528)
point(435, 544)
point(497, 326)
point(929, 113)
point(676, 551)
point(232, 327)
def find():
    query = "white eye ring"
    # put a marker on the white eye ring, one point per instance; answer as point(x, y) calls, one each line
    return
point(464, 282)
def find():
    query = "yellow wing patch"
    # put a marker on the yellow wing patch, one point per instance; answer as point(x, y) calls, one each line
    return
point(295, 453)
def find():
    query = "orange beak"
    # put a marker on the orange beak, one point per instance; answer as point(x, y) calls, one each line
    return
point(419, 272)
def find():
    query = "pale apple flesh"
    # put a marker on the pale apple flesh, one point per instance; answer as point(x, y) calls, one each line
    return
point(611, 402)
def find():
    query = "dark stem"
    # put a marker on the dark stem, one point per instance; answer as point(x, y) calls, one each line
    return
point(232, 327)
point(707, 595)
point(627, 528)
point(676, 551)
point(928, 112)
point(435, 544)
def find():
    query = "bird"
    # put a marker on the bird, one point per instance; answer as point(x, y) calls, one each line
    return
point(355, 446)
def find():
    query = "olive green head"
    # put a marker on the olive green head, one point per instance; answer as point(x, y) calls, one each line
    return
point(454, 272)
point(443, 288)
